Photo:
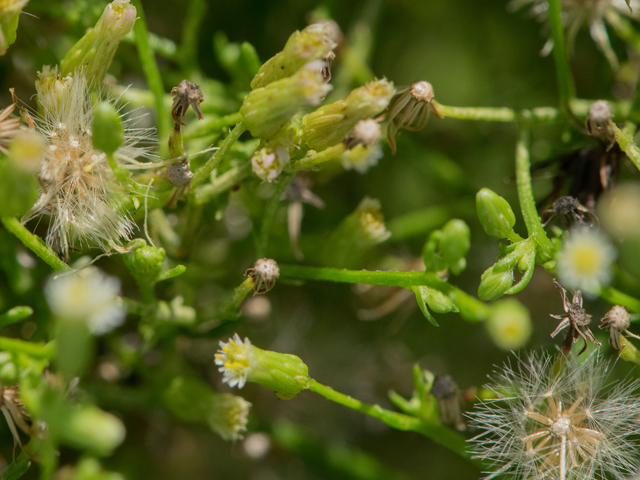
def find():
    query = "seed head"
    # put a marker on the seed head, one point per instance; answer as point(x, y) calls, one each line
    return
point(264, 272)
point(617, 322)
point(558, 420)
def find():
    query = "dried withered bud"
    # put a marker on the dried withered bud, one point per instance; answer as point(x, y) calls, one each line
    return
point(264, 273)
point(14, 412)
point(599, 121)
point(409, 109)
point(298, 192)
point(179, 174)
point(366, 132)
point(9, 126)
point(617, 321)
point(446, 392)
point(568, 211)
point(186, 94)
point(326, 70)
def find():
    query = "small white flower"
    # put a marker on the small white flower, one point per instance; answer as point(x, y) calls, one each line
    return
point(229, 416)
point(584, 263)
point(268, 162)
point(361, 158)
point(558, 420)
point(236, 360)
point(87, 295)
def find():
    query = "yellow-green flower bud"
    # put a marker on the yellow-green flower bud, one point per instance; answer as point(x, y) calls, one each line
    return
point(493, 284)
point(18, 184)
point(312, 43)
point(328, 125)
point(9, 15)
point(89, 428)
point(107, 130)
point(495, 214)
point(438, 301)
point(241, 362)
point(509, 324)
point(144, 261)
point(95, 51)
point(454, 245)
point(266, 110)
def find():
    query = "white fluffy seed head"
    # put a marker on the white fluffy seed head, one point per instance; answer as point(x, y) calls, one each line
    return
point(604, 419)
point(79, 191)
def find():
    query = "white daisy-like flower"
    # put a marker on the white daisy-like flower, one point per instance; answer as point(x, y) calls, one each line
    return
point(236, 360)
point(576, 13)
point(229, 416)
point(584, 263)
point(87, 295)
point(558, 419)
point(79, 190)
point(361, 158)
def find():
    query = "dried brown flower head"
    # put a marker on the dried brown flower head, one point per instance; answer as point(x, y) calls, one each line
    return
point(264, 272)
point(186, 94)
point(617, 321)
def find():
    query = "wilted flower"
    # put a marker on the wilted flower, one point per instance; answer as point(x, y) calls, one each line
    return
point(79, 190)
point(87, 295)
point(409, 110)
point(264, 273)
point(577, 13)
point(558, 420)
point(184, 95)
point(617, 322)
point(584, 263)
point(15, 413)
point(599, 121)
point(9, 126)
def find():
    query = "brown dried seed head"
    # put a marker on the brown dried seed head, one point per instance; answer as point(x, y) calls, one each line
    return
point(617, 318)
point(186, 94)
point(264, 272)
point(422, 91)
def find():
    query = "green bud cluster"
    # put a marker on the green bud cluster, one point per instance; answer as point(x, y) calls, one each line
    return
point(498, 279)
point(312, 43)
point(266, 110)
point(437, 301)
point(144, 261)
point(95, 51)
point(422, 404)
point(448, 247)
point(328, 125)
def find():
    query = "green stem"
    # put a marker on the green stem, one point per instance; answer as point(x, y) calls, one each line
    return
point(628, 146)
point(222, 183)
point(151, 71)
point(34, 350)
point(190, 34)
point(15, 315)
point(318, 157)
point(565, 80)
point(203, 172)
point(616, 297)
point(230, 311)
point(498, 114)
point(525, 195)
point(400, 421)
point(269, 214)
point(35, 244)
point(209, 125)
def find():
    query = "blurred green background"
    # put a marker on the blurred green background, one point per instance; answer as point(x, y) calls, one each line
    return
point(475, 53)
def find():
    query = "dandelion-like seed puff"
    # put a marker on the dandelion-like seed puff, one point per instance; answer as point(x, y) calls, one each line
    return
point(80, 193)
point(558, 420)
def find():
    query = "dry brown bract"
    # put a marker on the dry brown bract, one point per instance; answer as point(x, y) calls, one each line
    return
point(185, 94)
point(576, 318)
point(14, 413)
point(617, 321)
point(9, 126)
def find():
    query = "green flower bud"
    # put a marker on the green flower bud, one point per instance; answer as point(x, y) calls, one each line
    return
point(89, 428)
point(8, 370)
point(241, 362)
point(18, 183)
point(312, 43)
point(438, 301)
point(144, 261)
point(493, 284)
point(454, 245)
point(266, 110)
point(95, 51)
point(328, 125)
point(495, 214)
point(509, 324)
point(107, 130)
point(9, 15)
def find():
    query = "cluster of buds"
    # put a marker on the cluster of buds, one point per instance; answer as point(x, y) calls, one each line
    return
point(95, 51)
point(447, 248)
point(240, 362)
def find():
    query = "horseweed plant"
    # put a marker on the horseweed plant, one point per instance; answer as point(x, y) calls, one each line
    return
point(133, 356)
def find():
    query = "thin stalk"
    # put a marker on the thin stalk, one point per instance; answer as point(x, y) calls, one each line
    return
point(203, 172)
point(190, 34)
point(269, 214)
point(33, 350)
point(160, 45)
point(35, 244)
point(209, 125)
point(151, 71)
point(15, 315)
point(563, 71)
point(221, 184)
point(542, 115)
point(616, 297)
point(318, 158)
point(525, 194)
point(628, 146)
point(400, 421)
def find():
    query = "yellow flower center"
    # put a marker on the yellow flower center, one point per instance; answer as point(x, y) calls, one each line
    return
point(585, 258)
